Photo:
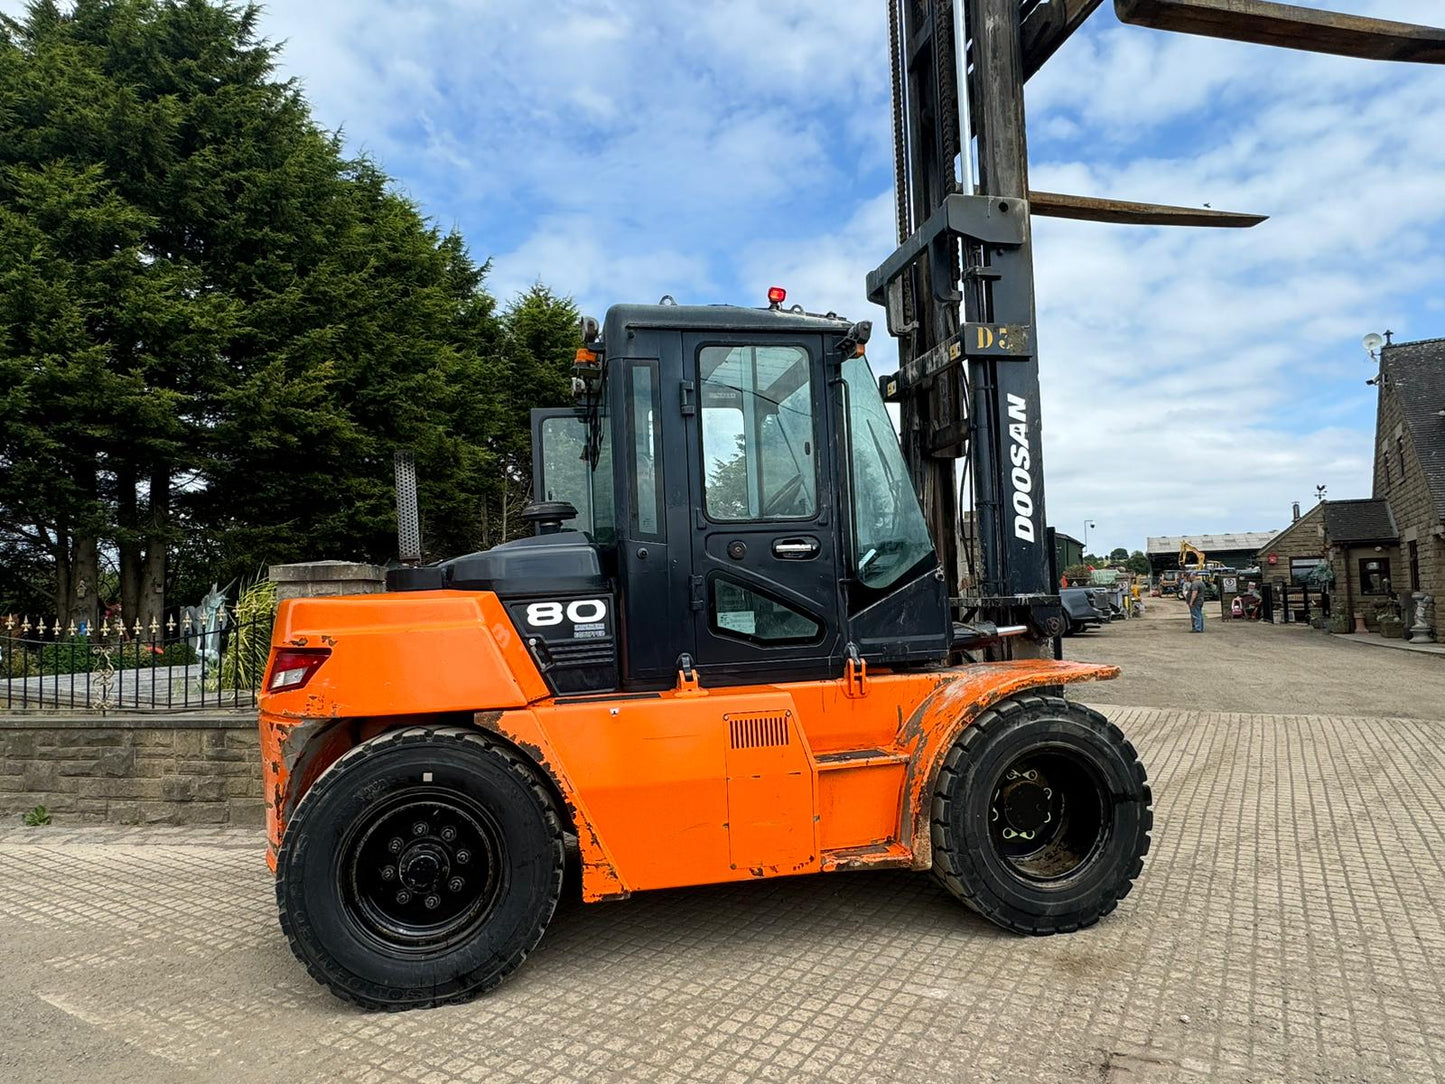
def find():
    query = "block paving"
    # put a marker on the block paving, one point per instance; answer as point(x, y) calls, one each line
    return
point(1289, 925)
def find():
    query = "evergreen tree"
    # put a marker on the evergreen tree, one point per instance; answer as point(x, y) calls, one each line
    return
point(216, 329)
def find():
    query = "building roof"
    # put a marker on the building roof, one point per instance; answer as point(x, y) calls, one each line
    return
point(1359, 521)
point(1417, 373)
point(1252, 541)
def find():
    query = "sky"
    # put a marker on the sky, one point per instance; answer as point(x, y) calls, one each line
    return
point(1193, 381)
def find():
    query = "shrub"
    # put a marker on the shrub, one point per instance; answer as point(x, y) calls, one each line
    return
point(16, 661)
point(248, 645)
point(76, 655)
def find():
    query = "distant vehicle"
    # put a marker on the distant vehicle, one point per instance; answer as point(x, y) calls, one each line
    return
point(1084, 608)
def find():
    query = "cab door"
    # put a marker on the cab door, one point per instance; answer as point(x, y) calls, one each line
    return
point(763, 586)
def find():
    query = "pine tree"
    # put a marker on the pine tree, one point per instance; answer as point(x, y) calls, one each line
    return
point(216, 328)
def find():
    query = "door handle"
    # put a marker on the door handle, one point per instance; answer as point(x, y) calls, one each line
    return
point(796, 549)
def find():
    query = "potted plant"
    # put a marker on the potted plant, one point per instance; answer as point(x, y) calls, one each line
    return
point(1341, 623)
point(1389, 619)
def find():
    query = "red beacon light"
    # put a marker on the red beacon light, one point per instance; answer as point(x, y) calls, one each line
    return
point(776, 296)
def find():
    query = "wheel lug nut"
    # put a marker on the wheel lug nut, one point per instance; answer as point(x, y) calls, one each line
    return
point(432, 902)
point(394, 846)
point(388, 873)
point(464, 856)
point(403, 896)
point(420, 828)
point(455, 884)
point(448, 834)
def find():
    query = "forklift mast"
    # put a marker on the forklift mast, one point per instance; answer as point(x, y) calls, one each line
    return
point(959, 298)
point(959, 289)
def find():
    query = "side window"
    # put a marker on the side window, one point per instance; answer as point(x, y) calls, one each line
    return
point(757, 433)
point(566, 475)
point(741, 612)
point(643, 425)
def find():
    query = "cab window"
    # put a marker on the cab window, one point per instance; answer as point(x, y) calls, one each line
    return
point(758, 445)
point(890, 536)
point(567, 475)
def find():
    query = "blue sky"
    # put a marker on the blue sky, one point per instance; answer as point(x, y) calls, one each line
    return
point(1194, 381)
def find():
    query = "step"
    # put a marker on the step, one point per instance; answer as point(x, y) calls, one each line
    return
point(890, 855)
point(858, 758)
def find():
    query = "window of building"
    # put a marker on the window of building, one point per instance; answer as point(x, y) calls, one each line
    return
point(743, 613)
point(1385, 464)
point(757, 433)
point(646, 479)
point(1301, 567)
point(1400, 454)
point(1374, 575)
point(1414, 551)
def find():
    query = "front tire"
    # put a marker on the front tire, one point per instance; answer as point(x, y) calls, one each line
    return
point(421, 868)
point(1041, 816)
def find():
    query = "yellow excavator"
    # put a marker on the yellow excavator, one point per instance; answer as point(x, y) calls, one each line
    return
point(1186, 551)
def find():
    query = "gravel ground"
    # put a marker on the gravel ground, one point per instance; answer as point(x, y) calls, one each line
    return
point(1289, 926)
point(1248, 666)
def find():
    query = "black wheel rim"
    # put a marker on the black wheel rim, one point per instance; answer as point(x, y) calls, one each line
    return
point(1048, 814)
point(421, 871)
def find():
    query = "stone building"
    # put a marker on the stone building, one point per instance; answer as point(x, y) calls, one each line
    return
point(1392, 543)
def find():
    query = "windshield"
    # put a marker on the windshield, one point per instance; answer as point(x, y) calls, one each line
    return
point(889, 532)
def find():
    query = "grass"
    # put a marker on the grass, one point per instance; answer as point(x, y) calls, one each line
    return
point(37, 817)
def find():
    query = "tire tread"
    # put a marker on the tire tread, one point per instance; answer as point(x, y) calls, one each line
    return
point(952, 867)
point(378, 746)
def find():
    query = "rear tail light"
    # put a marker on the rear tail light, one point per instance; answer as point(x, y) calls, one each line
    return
point(293, 666)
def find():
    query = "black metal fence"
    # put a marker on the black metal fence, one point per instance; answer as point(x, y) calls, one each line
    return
point(179, 666)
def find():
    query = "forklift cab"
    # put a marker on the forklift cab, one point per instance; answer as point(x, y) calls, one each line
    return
point(744, 489)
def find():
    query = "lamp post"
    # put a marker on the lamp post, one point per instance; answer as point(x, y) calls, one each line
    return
point(1087, 524)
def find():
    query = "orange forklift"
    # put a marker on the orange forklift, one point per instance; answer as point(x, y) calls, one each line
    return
point(736, 646)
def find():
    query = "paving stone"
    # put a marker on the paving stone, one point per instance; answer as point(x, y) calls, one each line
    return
point(1289, 925)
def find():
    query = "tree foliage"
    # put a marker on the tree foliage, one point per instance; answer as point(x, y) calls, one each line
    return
point(216, 328)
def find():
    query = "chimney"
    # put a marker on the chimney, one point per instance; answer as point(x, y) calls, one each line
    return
point(1296, 509)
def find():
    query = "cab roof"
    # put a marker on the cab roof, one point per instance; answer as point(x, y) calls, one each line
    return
point(718, 318)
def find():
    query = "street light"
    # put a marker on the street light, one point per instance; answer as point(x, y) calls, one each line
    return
point(1087, 524)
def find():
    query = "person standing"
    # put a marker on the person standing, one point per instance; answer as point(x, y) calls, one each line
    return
point(1194, 595)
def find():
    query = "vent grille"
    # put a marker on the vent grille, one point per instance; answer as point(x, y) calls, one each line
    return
point(758, 731)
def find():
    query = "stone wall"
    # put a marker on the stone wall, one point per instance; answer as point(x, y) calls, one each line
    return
point(326, 578)
point(1305, 537)
point(192, 769)
point(1409, 496)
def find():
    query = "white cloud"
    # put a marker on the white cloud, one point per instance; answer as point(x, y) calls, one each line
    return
point(1192, 380)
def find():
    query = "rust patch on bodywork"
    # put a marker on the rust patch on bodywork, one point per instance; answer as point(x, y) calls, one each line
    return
point(600, 878)
point(962, 695)
point(880, 855)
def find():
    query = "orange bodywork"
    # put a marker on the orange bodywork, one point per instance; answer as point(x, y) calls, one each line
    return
point(686, 786)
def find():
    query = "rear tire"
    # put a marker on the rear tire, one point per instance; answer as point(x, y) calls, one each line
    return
point(421, 868)
point(1041, 816)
